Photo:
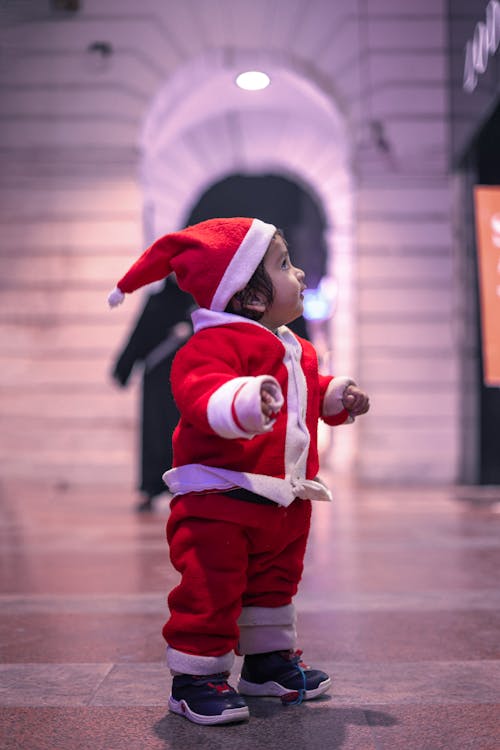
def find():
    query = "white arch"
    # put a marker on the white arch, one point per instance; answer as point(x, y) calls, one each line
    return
point(202, 128)
point(205, 87)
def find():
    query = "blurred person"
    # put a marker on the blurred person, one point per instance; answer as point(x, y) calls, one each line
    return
point(245, 465)
point(159, 332)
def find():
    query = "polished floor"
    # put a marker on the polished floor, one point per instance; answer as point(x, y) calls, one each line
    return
point(400, 602)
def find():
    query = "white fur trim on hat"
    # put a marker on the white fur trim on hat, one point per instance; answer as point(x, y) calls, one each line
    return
point(243, 263)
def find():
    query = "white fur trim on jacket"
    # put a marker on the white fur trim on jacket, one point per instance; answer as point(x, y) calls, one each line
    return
point(332, 403)
point(201, 478)
point(267, 629)
point(234, 410)
point(203, 318)
point(298, 439)
point(183, 663)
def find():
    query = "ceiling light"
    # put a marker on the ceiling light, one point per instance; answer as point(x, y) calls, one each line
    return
point(253, 80)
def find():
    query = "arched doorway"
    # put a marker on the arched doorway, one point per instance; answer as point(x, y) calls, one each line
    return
point(201, 130)
point(277, 200)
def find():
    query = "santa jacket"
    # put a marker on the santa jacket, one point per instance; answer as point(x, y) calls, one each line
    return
point(223, 440)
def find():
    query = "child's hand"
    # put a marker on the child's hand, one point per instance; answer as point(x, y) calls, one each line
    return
point(268, 403)
point(355, 401)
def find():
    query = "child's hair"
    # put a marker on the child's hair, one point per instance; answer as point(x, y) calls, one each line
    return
point(261, 284)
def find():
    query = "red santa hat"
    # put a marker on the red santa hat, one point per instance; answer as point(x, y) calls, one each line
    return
point(212, 260)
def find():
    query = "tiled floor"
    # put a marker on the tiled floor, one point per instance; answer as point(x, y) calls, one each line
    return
point(400, 602)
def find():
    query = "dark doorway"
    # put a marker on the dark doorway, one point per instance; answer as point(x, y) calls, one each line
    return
point(281, 202)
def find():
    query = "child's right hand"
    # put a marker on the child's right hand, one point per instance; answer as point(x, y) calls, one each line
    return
point(268, 402)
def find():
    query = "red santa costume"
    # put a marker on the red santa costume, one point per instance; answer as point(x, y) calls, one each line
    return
point(242, 484)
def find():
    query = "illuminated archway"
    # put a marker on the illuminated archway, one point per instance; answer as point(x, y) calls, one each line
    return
point(201, 128)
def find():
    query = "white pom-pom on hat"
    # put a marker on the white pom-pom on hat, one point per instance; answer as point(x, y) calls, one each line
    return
point(115, 297)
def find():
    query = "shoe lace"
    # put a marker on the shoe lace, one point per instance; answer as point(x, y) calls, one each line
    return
point(295, 697)
point(216, 681)
point(295, 658)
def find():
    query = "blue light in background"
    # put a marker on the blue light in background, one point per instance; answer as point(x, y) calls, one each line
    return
point(319, 303)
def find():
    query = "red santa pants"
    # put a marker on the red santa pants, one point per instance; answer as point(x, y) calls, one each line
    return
point(231, 555)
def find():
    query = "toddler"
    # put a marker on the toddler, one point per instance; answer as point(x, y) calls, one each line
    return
point(245, 465)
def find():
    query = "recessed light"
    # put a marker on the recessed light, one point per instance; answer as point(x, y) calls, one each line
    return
point(253, 80)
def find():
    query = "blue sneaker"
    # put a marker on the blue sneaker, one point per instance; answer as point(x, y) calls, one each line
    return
point(282, 674)
point(207, 699)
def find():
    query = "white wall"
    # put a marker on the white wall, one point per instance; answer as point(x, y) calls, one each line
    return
point(71, 202)
point(406, 303)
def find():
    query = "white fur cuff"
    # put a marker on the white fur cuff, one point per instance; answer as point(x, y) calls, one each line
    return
point(332, 403)
point(234, 410)
point(183, 663)
point(220, 410)
point(268, 615)
point(265, 629)
point(248, 400)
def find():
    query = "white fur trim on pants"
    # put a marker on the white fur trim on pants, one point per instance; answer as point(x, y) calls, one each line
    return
point(183, 663)
point(265, 629)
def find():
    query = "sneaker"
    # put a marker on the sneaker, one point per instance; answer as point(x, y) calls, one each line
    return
point(283, 674)
point(207, 699)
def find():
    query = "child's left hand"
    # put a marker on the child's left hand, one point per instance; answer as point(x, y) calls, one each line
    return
point(355, 401)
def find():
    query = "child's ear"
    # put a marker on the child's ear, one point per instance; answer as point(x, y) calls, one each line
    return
point(256, 303)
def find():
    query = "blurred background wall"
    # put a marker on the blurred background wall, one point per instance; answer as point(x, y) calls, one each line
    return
point(117, 117)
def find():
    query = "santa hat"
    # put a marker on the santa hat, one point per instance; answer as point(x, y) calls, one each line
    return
point(212, 260)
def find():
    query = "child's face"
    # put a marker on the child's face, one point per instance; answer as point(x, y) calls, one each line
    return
point(288, 284)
